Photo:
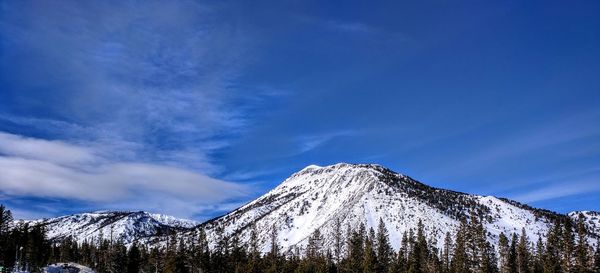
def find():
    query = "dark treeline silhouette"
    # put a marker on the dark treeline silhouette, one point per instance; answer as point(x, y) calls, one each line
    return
point(352, 250)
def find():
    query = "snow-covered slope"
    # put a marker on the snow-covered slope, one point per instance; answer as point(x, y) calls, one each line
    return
point(592, 221)
point(318, 197)
point(126, 226)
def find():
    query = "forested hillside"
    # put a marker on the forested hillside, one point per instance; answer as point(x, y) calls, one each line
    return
point(366, 250)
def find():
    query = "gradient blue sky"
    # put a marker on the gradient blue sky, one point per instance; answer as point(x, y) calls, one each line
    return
point(192, 108)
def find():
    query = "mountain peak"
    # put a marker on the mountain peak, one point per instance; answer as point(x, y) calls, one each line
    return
point(344, 168)
point(326, 198)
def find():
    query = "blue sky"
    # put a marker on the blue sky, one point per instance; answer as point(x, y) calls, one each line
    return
point(193, 108)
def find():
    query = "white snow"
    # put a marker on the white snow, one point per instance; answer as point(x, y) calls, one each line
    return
point(315, 196)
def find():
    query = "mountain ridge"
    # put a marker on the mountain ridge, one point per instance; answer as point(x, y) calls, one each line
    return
point(375, 191)
point(318, 197)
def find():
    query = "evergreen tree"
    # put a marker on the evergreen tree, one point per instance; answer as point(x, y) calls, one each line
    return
point(552, 255)
point(5, 219)
point(180, 261)
point(337, 242)
point(460, 261)
point(484, 256)
point(597, 258)
point(512, 255)
point(384, 249)
point(253, 250)
point(315, 245)
point(356, 250)
point(568, 247)
point(400, 262)
point(446, 258)
point(274, 254)
point(582, 264)
point(134, 259)
point(523, 255)
point(417, 262)
point(370, 259)
point(538, 263)
point(504, 252)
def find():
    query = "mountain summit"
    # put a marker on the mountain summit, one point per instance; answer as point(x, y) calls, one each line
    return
point(332, 198)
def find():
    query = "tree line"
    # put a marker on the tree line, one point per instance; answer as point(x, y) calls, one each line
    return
point(352, 250)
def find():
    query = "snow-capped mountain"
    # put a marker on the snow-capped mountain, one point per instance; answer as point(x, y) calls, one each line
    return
point(119, 225)
point(334, 197)
point(329, 199)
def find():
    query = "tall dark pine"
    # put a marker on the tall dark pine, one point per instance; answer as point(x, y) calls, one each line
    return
point(356, 250)
point(384, 249)
point(484, 256)
point(274, 254)
point(538, 261)
point(199, 253)
point(504, 251)
point(552, 255)
point(597, 258)
point(568, 247)
point(337, 242)
point(523, 255)
point(370, 260)
point(582, 264)
point(460, 260)
point(419, 254)
point(253, 251)
point(512, 254)
point(446, 253)
point(5, 219)
point(400, 263)
point(315, 245)
point(134, 259)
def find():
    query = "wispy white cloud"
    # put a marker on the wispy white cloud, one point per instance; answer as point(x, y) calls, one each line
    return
point(310, 142)
point(42, 172)
point(156, 78)
point(559, 190)
point(571, 128)
point(45, 150)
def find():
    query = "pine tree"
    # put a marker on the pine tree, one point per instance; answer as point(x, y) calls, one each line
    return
point(460, 261)
point(274, 253)
point(253, 250)
point(134, 259)
point(384, 249)
point(504, 251)
point(568, 246)
point(538, 263)
point(418, 257)
point(370, 259)
point(400, 262)
point(238, 257)
point(6, 219)
point(523, 255)
point(552, 255)
point(446, 259)
point(512, 254)
point(356, 250)
point(180, 261)
point(582, 264)
point(337, 242)
point(597, 258)
point(315, 245)
point(483, 255)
